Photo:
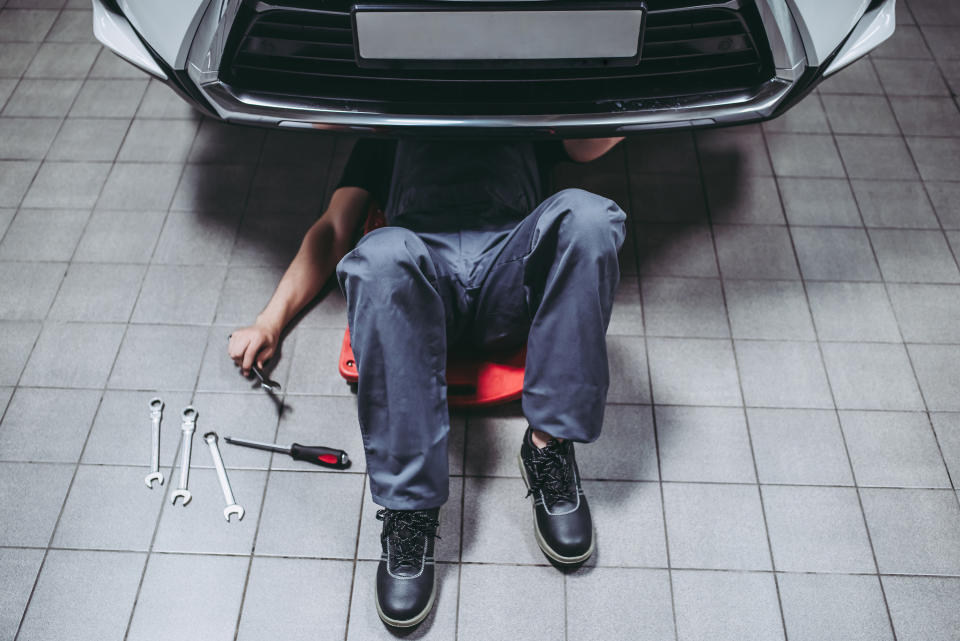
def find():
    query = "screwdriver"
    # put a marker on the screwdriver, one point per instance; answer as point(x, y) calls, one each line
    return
point(315, 454)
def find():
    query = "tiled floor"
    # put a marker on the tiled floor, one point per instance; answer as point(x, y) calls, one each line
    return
point(782, 444)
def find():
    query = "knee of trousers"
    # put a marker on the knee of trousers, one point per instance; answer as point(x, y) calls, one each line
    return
point(383, 256)
point(591, 223)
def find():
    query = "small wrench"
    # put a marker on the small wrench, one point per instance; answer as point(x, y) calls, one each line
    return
point(156, 412)
point(232, 507)
point(187, 428)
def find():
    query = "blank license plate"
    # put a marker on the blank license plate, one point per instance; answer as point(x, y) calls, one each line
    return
point(586, 34)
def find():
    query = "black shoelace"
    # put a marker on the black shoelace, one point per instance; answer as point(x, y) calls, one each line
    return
point(551, 473)
point(408, 532)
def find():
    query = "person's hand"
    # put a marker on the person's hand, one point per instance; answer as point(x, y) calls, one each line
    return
point(254, 344)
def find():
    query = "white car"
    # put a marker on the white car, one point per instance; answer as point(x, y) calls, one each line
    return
point(533, 67)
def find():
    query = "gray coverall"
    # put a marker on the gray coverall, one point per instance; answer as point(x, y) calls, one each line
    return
point(440, 275)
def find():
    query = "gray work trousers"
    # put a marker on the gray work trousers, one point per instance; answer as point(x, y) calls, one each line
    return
point(549, 279)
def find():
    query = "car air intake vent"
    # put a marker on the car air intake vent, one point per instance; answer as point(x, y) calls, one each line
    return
point(294, 51)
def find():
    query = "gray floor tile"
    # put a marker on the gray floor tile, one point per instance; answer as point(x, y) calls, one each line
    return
point(919, 116)
point(121, 430)
point(34, 97)
point(27, 138)
point(447, 546)
point(110, 65)
point(160, 101)
point(807, 116)
point(923, 608)
point(807, 155)
point(110, 508)
point(7, 85)
point(661, 152)
point(284, 600)
point(936, 157)
point(332, 421)
point(947, 427)
point(831, 253)
point(512, 592)
point(934, 12)
point(945, 197)
point(753, 200)
point(798, 446)
point(222, 142)
point(74, 587)
point(914, 531)
point(47, 425)
point(938, 369)
point(625, 449)
point(915, 256)
point(942, 40)
point(246, 291)
point(179, 294)
point(201, 526)
point(218, 372)
point(493, 441)
point(440, 625)
point(755, 252)
point(25, 25)
point(91, 346)
point(98, 292)
point(667, 198)
point(927, 312)
point(210, 188)
point(627, 316)
point(881, 157)
point(725, 605)
point(676, 250)
point(860, 115)
point(894, 204)
point(67, 184)
point(782, 374)
point(833, 606)
point(735, 150)
point(289, 188)
point(33, 494)
point(910, 77)
point(5, 394)
point(852, 312)
point(89, 139)
point(704, 444)
point(173, 353)
point(297, 147)
point(498, 522)
point(120, 236)
point(28, 289)
point(691, 371)
point(16, 343)
point(15, 57)
point(72, 26)
point(596, 607)
point(250, 416)
point(140, 186)
point(18, 571)
point(817, 529)
point(189, 596)
point(768, 309)
point(819, 201)
point(109, 98)
point(310, 515)
point(43, 234)
point(197, 238)
point(871, 376)
point(63, 60)
point(314, 364)
point(905, 43)
point(6, 216)
point(628, 524)
point(15, 178)
point(269, 240)
point(690, 307)
point(158, 141)
point(858, 78)
point(715, 526)
point(893, 449)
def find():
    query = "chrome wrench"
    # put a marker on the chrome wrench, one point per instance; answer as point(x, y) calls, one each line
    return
point(156, 413)
point(232, 507)
point(187, 427)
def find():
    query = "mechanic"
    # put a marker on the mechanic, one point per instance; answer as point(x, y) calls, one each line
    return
point(471, 255)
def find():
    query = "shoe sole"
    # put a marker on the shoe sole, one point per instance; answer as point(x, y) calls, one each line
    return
point(549, 551)
point(409, 623)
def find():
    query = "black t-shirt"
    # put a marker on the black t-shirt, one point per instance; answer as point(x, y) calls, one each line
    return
point(477, 182)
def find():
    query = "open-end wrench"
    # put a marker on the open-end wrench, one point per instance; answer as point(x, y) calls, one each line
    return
point(187, 427)
point(232, 507)
point(156, 412)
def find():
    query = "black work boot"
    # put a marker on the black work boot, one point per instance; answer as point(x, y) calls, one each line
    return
point(406, 582)
point(562, 522)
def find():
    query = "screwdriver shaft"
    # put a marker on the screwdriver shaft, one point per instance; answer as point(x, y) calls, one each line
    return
point(269, 447)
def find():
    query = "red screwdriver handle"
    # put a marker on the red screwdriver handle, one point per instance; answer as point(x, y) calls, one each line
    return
point(319, 455)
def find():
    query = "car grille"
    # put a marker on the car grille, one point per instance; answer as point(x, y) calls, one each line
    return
point(297, 50)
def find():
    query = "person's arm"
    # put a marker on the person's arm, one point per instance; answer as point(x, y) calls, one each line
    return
point(324, 244)
point(587, 149)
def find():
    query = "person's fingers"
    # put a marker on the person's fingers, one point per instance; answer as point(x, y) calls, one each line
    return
point(265, 354)
point(248, 357)
point(237, 346)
